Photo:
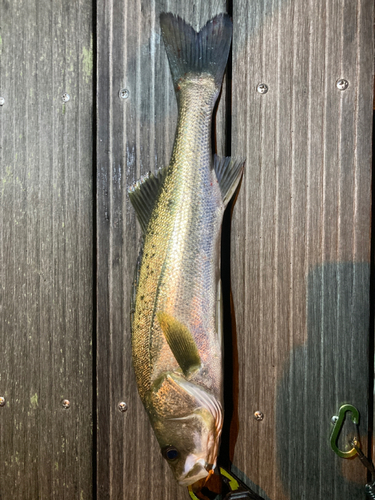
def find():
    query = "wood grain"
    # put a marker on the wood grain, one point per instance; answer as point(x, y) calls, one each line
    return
point(300, 240)
point(46, 249)
point(134, 136)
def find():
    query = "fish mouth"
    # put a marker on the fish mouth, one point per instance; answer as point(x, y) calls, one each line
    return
point(197, 472)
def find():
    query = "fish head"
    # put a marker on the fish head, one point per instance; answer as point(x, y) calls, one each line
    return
point(189, 445)
point(187, 424)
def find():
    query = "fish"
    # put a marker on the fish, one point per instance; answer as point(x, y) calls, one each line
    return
point(177, 305)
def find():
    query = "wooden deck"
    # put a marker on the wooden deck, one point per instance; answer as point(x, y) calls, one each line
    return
point(296, 242)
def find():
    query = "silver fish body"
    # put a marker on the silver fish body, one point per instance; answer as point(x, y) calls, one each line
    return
point(176, 329)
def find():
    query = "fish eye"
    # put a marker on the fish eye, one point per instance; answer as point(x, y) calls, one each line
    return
point(170, 453)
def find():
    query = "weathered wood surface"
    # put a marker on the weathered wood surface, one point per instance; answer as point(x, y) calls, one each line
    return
point(135, 136)
point(300, 240)
point(300, 237)
point(46, 249)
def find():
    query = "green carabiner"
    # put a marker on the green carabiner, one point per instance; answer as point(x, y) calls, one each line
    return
point(337, 429)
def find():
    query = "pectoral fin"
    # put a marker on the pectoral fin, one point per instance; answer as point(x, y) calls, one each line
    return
point(181, 342)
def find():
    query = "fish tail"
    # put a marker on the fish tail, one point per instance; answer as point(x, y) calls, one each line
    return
point(192, 52)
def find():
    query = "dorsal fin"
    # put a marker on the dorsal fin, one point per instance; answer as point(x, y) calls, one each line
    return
point(228, 173)
point(181, 342)
point(143, 194)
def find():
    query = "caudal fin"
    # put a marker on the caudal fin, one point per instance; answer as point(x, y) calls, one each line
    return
point(192, 52)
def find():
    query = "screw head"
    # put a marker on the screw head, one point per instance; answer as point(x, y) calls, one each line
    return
point(65, 97)
point(334, 419)
point(122, 406)
point(258, 415)
point(2, 401)
point(2, 101)
point(65, 404)
point(124, 94)
point(262, 88)
point(342, 84)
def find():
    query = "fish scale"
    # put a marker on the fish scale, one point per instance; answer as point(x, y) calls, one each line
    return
point(176, 332)
point(185, 229)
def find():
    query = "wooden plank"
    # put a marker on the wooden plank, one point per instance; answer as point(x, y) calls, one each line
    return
point(135, 135)
point(300, 239)
point(46, 249)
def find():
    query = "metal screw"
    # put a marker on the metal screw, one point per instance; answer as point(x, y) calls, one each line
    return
point(65, 97)
point(2, 101)
point(342, 84)
point(65, 404)
point(122, 406)
point(334, 419)
point(124, 93)
point(262, 88)
point(2, 401)
point(258, 415)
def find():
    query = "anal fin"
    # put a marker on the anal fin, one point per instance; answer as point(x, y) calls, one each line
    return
point(228, 173)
